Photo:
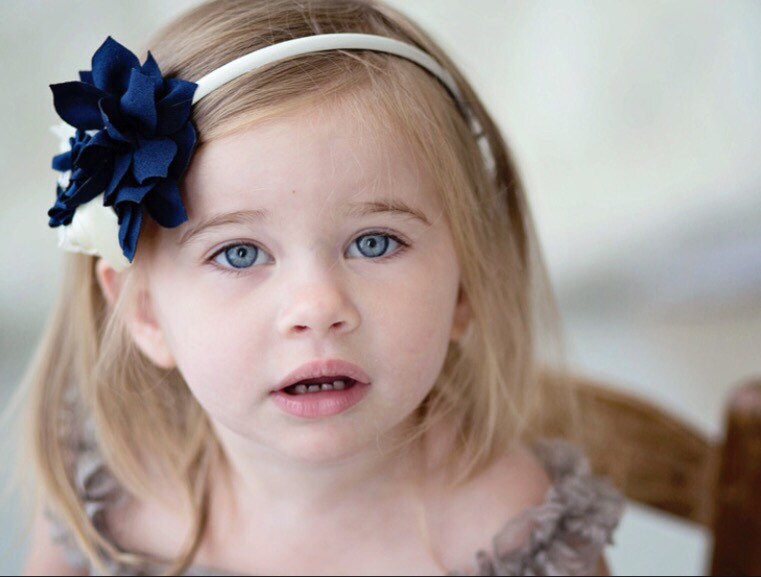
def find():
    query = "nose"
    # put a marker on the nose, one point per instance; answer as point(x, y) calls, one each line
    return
point(319, 305)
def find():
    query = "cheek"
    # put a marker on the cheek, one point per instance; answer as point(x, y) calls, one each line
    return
point(216, 346)
point(413, 321)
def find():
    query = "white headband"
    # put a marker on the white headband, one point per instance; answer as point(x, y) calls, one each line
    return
point(298, 46)
point(93, 229)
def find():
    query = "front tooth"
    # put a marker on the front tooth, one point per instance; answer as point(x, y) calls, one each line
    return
point(339, 385)
point(301, 388)
point(313, 388)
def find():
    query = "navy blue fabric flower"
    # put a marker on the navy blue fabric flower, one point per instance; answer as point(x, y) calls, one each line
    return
point(142, 147)
point(72, 196)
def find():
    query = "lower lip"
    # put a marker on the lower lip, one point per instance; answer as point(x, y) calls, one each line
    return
point(322, 404)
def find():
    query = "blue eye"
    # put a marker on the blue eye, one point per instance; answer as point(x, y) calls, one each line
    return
point(371, 247)
point(235, 258)
point(238, 255)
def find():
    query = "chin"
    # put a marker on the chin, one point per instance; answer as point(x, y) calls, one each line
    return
point(324, 443)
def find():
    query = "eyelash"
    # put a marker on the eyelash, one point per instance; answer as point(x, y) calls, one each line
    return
point(403, 246)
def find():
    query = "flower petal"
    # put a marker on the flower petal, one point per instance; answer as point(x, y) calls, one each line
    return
point(152, 158)
point(93, 158)
point(77, 174)
point(122, 163)
point(175, 107)
point(111, 65)
point(86, 76)
point(130, 222)
point(60, 213)
point(76, 144)
point(165, 204)
point(77, 104)
point(186, 141)
point(62, 162)
point(129, 194)
point(102, 139)
point(151, 69)
point(111, 116)
point(139, 103)
point(85, 190)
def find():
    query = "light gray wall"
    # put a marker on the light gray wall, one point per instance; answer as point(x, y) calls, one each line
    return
point(636, 126)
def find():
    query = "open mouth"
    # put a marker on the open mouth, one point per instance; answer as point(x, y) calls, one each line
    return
point(324, 384)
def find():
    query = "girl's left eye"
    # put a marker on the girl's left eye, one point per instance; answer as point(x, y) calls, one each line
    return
point(242, 256)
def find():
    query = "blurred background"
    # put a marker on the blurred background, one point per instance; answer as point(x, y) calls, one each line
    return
point(637, 128)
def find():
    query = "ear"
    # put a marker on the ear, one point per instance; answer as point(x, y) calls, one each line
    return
point(462, 316)
point(140, 320)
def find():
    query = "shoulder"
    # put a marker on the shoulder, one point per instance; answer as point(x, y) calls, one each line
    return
point(469, 518)
point(516, 481)
point(154, 526)
point(537, 510)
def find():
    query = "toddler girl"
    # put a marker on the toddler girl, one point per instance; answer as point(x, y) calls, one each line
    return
point(297, 330)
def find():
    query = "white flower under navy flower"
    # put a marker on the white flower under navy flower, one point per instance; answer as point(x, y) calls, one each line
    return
point(132, 143)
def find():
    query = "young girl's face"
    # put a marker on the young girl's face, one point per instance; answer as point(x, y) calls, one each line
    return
point(314, 273)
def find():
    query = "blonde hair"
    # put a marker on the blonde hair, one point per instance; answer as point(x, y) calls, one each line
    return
point(490, 388)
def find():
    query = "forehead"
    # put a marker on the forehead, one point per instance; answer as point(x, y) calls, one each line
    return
point(314, 157)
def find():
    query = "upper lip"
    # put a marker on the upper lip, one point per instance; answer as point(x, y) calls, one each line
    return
point(324, 368)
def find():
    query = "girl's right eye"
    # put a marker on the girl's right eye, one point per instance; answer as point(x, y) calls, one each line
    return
point(239, 256)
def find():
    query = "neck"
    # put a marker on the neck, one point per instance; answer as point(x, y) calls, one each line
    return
point(259, 480)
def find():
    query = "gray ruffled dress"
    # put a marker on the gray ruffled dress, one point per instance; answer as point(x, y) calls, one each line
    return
point(567, 532)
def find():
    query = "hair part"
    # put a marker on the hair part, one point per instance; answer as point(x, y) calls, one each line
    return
point(490, 388)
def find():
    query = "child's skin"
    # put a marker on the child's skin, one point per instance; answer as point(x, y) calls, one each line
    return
point(315, 496)
point(310, 293)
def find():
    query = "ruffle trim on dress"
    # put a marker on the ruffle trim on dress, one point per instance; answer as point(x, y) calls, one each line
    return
point(567, 532)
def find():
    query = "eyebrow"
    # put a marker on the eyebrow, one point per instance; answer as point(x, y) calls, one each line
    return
point(357, 209)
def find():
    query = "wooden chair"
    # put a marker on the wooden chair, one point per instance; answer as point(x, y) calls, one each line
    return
point(658, 460)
